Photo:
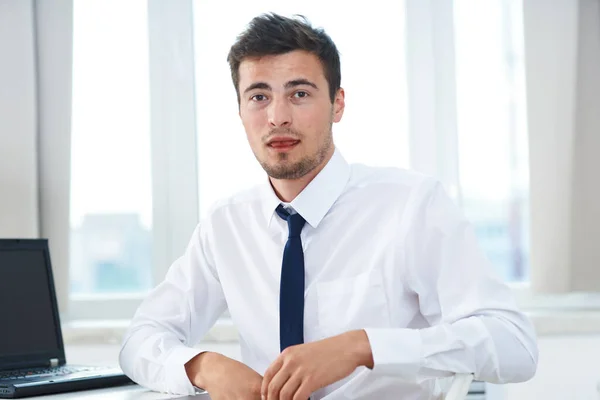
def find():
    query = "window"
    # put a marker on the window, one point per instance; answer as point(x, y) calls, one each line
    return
point(111, 200)
point(371, 43)
point(115, 171)
point(492, 132)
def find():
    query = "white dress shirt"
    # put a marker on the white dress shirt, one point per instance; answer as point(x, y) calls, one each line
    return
point(385, 250)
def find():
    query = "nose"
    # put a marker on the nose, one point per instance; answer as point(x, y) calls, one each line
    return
point(280, 113)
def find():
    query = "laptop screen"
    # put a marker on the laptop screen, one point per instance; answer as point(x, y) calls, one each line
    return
point(26, 306)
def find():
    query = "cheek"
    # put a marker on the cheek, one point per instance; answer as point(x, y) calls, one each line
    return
point(315, 124)
point(253, 126)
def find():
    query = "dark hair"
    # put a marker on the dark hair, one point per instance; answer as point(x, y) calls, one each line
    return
point(272, 34)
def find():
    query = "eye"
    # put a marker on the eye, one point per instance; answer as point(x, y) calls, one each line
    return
point(258, 97)
point(300, 94)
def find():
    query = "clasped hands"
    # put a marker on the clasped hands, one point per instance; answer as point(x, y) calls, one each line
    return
point(296, 373)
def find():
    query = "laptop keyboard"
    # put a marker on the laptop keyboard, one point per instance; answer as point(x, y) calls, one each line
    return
point(40, 372)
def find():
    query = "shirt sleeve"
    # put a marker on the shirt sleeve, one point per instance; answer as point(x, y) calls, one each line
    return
point(474, 323)
point(171, 320)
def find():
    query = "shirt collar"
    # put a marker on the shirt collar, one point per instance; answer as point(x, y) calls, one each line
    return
point(316, 199)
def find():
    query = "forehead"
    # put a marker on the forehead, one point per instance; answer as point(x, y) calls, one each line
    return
point(278, 69)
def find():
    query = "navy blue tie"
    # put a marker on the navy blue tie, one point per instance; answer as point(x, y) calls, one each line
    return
point(291, 290)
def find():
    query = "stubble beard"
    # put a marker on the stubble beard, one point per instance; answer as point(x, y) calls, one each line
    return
point(282, 170)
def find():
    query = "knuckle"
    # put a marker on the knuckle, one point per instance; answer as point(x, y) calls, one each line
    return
point(291, 360)
point(287, 352)
point(308, 379)
point(291, 357)
point(300, 371)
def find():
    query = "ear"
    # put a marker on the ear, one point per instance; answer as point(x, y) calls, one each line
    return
point(339, 104)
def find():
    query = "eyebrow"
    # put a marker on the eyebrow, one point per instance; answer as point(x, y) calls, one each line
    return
point(300, 82)
point(288, 85)
point(258, 85)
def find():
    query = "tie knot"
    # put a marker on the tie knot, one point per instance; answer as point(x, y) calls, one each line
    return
point(295, 221)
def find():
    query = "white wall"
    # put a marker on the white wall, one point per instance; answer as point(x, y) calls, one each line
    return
point(18, 124)
point(35, 116)
point(53, 27)
point(586, 182)
point(562, 53)
point(551, 74)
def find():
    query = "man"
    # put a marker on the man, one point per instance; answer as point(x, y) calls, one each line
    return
point(341, 279)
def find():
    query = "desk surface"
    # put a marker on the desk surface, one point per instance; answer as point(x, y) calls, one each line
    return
point(128, 392)
point(135, 392)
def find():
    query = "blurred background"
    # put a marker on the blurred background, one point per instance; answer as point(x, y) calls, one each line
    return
point(119, 129)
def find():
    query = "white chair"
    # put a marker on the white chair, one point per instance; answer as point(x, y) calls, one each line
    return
point(460, 387)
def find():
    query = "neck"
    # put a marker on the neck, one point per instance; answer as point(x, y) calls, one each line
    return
point(288, 189)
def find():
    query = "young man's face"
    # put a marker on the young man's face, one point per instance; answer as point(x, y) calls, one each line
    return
point(287, 112)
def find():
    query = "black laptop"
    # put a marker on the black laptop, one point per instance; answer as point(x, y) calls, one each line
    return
point(32, 354)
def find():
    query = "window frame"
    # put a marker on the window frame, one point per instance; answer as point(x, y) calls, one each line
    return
point(432, 124)
point(175, 211)
point(431, 85)
point(431, 78)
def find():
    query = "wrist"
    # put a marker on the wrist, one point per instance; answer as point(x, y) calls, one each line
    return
point(359, 343)
point(198, 368)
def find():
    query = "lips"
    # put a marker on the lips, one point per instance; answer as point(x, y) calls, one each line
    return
point(283, 143)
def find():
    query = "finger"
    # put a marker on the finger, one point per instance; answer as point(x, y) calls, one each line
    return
point(277, 383)
point(269, 374)
point(303, 392)
point(289, 388)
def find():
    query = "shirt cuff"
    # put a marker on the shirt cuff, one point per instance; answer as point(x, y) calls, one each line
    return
point(176, 376)
point(396, 352)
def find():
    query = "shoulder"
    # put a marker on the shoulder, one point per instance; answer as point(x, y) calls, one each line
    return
point(392, 180)
point(248, 197)
point(413, 198)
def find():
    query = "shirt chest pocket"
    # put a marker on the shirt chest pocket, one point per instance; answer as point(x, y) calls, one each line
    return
point(350, 303)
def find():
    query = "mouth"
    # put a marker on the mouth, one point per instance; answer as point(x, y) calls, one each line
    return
point(281, 145)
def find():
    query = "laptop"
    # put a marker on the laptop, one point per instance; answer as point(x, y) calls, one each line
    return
point(32, 354)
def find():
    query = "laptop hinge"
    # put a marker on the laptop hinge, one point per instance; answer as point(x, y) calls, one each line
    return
point(53, 362)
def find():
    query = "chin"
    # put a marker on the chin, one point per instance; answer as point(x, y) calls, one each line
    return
point(286, 158)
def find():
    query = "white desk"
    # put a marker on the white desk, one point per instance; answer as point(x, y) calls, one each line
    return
point(135, 392)
point(128, 392)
